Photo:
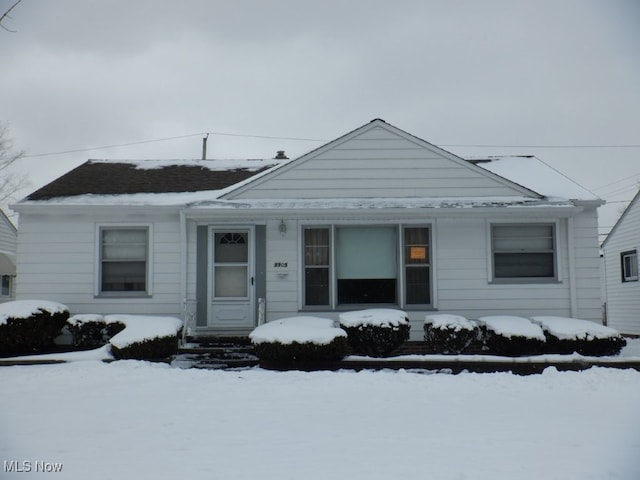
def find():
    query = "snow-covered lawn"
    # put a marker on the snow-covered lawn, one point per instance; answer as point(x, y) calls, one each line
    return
point(137, 420)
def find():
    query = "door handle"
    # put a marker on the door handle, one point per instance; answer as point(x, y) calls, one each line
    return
point(252, 281)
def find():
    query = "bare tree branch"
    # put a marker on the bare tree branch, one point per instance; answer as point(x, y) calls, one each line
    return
point(6, 15)
point(10, 181)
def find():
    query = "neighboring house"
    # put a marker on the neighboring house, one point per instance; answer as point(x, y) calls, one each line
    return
point(377, 217)
point(622, 288)
point(8, 237)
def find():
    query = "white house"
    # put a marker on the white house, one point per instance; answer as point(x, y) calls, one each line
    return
point(377, 217)
point(8, 238)
point(622, 288)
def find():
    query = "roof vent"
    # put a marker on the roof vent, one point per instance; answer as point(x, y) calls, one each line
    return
point(280, 155)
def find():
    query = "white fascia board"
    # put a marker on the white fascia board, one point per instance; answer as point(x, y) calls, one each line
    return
point(400, 213)
point(55, 209)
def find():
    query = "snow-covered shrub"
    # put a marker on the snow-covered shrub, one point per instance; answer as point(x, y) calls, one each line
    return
point(30, 326)
point(299, 341)
point(376, 332)
point(92, 331)
point(511, 335)
point(568, 335)
point(145, 337)
point(449, 334)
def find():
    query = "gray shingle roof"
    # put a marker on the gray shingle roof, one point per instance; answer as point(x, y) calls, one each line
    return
point(115, 178)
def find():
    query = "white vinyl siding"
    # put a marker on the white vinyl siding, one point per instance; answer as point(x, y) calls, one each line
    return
point(622, 298)
point(58, 261)
point(378, 162)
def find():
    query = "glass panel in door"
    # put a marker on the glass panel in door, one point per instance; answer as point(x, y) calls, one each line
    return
point(231, 265)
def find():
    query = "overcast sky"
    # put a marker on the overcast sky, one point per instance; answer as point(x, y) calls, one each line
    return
point(520, 76)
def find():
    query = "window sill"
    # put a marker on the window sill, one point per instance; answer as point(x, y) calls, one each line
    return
point(363, 306)
point(525, 281)
point(123, 295)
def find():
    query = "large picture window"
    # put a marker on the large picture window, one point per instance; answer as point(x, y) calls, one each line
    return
point(366, 265)
point(523, 251)
point(356, 265)
point(124, 259)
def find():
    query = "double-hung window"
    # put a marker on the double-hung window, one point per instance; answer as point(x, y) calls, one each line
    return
point(357, 265)
point(629, 266)
point(523, 252)
point(124, 260)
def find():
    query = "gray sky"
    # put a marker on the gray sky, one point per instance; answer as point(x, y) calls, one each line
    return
point(520, 74)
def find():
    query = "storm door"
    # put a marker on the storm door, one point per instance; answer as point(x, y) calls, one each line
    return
point(232, 278)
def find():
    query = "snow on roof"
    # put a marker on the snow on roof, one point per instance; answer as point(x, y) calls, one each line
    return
point(214, 165)
point(381, 317)
point(321, 331)
point(533, 173)
point(512, 326)
point(573, 328)
point(27, 308)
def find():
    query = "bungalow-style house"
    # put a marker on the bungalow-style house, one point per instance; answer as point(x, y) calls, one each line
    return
point(8, 238)
point(377, 217)
point(622, 288)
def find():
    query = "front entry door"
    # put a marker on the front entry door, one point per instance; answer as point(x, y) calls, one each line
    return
point(231, 295)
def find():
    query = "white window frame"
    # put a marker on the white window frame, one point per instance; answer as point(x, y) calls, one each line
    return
point(491, 277)
point(401, 274)
point(632, 255)
point(98, 293)
point(11, 278)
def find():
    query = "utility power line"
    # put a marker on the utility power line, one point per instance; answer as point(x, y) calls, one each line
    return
point(178, 137)
point(272, 137)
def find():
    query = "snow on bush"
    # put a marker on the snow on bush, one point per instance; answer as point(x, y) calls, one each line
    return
point(573, 329)
point(92, 330)
point(296, 341)
point(449, 334)
point(511, 335)
point(28, 308)
point(379, 317)
point(320, 331)
point(444, 321)
point(568, 335)
point(30, 326)
point(145, 337)
point(376, 332)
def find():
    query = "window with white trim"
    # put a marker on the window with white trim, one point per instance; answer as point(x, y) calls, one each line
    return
point(629, 266)
point(6, 285)
point(356, 265)
point(523, 251)
point(124, 261)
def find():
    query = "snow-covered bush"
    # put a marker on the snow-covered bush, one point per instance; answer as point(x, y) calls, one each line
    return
point(449, 334)
point(298, 341)
point(376, 332)
point(30, 326)
point(511, 335)
point(145, 337)
point(568, 335)
point(92, 331)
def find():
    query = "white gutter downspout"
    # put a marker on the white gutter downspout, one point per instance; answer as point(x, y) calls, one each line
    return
point(573, 300)
point(183, 276)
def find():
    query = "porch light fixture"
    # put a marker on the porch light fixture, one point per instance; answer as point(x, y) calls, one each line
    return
point(282, 228)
